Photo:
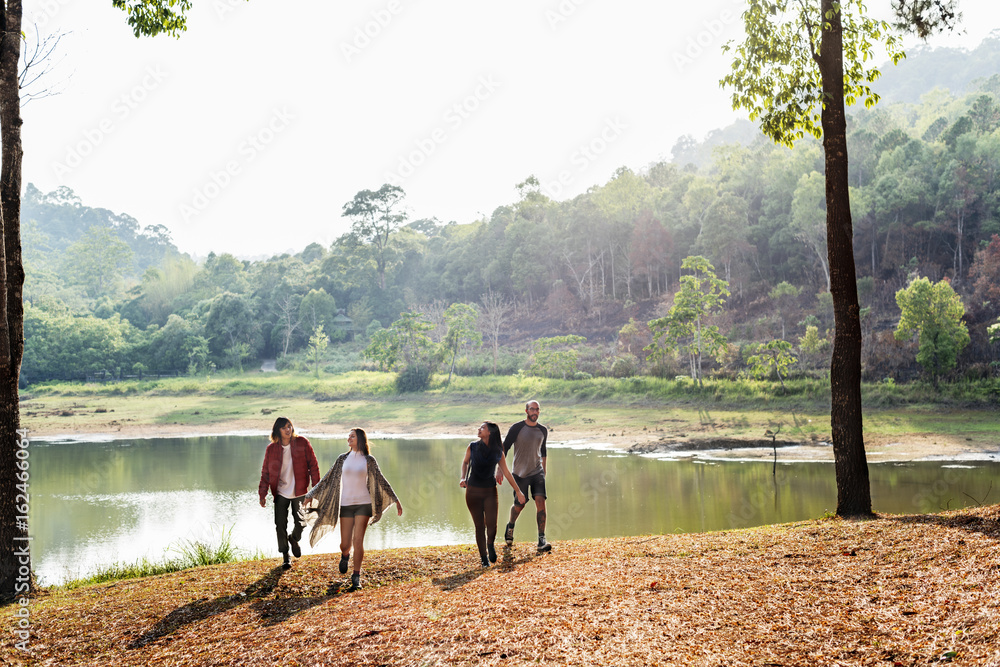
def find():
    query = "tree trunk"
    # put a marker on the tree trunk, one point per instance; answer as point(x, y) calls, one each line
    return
point(853, 487)
point(959, 240)
point(15, 563)
point(698, 348)
point(874, 235)
point(614, 293)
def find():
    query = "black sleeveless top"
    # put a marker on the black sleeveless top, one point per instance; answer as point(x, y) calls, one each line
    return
point(483, 464)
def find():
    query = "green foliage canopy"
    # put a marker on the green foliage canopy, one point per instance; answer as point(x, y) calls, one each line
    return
point(152, 17)
point(934, 311)
point(461, 319)
point(775, 355)
point(232, 330)
point(98, 260)
point(68, 345)
point(555, 356)
point(405, 343)
point(683, 328)
point(775, 72)
point(318, 343)
point(375, 216)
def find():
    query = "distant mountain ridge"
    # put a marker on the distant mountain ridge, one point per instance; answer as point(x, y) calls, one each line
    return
point(925, 69)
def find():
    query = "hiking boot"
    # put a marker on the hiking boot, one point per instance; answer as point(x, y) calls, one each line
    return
point(296, 551)
point(355, 582)
point(486, 562)
point(508, 535)
point(343, 563)
point(492, 550)
point(543, 544)
point(286, 561)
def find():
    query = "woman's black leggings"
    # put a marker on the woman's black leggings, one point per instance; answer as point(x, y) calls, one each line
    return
point(483, 504)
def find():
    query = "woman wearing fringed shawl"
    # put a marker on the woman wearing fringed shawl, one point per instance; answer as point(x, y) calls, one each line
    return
point(354, 492)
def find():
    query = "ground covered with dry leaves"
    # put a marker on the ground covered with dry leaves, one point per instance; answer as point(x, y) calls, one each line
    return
point(897, 590)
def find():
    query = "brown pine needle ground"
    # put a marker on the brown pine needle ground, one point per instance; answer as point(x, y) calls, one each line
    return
point(897, 590)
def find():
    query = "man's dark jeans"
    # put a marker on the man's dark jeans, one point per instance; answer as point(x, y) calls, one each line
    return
point(281, 506)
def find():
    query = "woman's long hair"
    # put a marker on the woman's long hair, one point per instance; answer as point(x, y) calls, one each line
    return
point(279, 424)
point(494, 432)
point(362, 438)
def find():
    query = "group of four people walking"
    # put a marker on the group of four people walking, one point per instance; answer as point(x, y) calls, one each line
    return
point(356, 493)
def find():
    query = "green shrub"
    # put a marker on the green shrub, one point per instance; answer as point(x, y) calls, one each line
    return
point(245, 388)
point(416, 377)
point(624, 366)
point(187, 388)
point(481, 363)
point(287, 362)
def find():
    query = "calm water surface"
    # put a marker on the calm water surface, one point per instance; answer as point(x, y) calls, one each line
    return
point(96, 503)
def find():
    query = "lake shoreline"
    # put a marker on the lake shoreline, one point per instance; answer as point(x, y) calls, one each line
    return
point(690, 426)
point(879, 448)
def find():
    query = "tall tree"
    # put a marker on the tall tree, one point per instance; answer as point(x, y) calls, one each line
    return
point(621, 201)
point(232, 329)
point(959, 193)
point(288, 319)
point(651, 248)
point(783, 296)
point(317, 309)
point(13, 524)
point(790, 75)
point(685, 325)
point(318, 343)
point(375, 216)
point(461, 320)
point(724, 231)
point(146, 17)
point(497, 309)
point(809, 219)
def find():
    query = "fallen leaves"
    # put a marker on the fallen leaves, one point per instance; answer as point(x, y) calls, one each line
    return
point(898, 590)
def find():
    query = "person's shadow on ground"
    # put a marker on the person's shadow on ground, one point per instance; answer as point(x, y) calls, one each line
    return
point(458, 579)
point(271, 611)
point(504, 564)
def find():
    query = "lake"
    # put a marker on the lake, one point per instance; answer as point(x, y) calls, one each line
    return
point(94, 503)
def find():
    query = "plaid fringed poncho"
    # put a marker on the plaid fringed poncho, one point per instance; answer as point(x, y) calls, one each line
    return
point(324, 511)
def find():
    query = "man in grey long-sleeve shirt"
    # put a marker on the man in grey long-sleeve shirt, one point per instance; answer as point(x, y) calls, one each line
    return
point(528, 439)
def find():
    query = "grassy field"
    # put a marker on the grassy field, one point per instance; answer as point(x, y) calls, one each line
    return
point(636, 408)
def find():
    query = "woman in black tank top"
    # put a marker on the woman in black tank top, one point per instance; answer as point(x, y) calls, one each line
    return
point(479, 481)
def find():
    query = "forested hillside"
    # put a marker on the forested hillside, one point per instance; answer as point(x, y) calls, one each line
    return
point(69, 246)
point(925, 199)
point(925, 69)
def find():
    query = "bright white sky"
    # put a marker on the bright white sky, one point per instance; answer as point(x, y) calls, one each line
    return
point(250, 132)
